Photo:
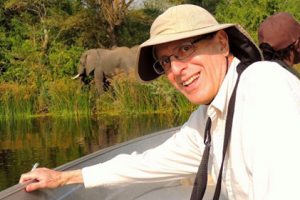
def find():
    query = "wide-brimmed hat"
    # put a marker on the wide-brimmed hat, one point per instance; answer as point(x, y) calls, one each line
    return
point(184, 21)
point(279, 31)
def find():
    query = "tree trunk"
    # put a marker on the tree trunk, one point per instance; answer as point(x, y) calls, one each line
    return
point(114, 14)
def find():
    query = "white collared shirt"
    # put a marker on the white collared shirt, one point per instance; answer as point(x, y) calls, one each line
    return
point(263, 160)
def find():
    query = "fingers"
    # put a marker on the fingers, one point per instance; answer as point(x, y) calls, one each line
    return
point(30, 176)
point(34, 174)
point(34, 186)
point(26, 177)
point(47, 178)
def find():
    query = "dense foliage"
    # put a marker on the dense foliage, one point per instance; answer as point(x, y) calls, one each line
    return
point(250, 13)
point(41, 41)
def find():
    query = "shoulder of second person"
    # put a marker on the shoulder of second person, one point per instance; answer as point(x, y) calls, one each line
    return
point(265, 70)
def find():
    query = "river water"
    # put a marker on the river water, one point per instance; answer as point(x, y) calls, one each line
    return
point(55, 141)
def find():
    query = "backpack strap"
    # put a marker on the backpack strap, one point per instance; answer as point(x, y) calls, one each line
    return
point(201, 177)
point(228, 127)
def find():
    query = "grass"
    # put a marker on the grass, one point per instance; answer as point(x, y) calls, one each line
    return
point(65, 98)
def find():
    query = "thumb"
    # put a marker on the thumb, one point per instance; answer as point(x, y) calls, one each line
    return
point(33, 186)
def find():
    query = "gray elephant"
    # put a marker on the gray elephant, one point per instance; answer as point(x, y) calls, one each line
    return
point(105, 63)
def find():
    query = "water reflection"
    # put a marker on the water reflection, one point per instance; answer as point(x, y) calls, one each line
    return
point(55, 141)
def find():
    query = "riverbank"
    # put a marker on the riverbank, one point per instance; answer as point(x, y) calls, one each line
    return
point(65, 97)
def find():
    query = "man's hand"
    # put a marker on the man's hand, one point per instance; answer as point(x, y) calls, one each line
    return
point(48, 178)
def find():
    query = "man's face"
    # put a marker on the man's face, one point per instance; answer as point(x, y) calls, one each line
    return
point(200, 75)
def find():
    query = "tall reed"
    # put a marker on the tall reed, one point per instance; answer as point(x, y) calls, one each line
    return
point(17, 101)
point(68, 98)
point(65, 97)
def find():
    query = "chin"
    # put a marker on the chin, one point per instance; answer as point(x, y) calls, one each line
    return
point(199, 101)
point(196, 101)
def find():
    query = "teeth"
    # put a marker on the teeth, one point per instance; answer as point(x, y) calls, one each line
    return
point(186, 83)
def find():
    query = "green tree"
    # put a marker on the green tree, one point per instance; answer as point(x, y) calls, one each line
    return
point(28, 26)
point(209, 5)
point(113, 12)
point(136, 26)
point(39, 10)
point(5, 45)
point(250, 13)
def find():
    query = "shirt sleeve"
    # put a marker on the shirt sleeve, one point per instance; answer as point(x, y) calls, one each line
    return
point(268, 105)
point(176, 158)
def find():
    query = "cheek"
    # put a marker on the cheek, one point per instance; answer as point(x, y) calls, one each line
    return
point(172, 80)
point(213, 74)
point(216, 66)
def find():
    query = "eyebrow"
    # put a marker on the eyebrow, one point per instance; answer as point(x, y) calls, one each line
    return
point(192, 40)
point(155, 55)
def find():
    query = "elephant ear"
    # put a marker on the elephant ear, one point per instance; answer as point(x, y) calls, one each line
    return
point(88, 68)
point(91, 61)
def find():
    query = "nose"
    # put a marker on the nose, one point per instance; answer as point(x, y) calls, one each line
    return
point(177, 66)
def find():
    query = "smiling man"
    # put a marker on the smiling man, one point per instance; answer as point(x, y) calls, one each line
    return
point(245, 133)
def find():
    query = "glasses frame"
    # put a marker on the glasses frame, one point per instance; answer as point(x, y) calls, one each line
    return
point(176, 56)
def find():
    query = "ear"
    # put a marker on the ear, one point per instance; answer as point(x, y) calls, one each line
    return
point(223, 40)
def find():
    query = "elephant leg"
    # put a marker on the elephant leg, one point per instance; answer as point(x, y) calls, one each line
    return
point(99, 77)
point(106, 83)
point(82, 80)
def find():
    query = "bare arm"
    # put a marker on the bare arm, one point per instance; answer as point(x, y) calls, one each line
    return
point(48, 178)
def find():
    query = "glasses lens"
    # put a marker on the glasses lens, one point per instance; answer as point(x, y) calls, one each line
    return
point(181, 52)
point(158, 68)
point(184, 50)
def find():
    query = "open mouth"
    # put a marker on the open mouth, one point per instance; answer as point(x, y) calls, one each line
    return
point(191, 80)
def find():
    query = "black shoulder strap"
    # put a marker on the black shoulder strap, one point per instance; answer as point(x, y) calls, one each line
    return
point(201, 178)
point(240, 68)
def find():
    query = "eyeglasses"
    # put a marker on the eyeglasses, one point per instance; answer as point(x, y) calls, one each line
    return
point(180, 52)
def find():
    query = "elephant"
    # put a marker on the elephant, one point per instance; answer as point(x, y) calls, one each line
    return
point(104, 63)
